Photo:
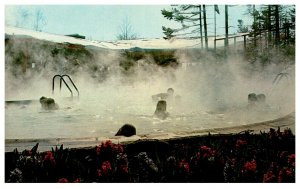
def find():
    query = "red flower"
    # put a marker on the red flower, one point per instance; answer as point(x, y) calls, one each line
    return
point(250, 166)
point(269, 177)
point(289, 172)
point(50, 158)
point(99, 173)
point(118, 148)
point(63, 180)
point(205, 148)
point(206, 152)
point(109, 147)
point(106, 167)
point(107, 144)
point(280, 176)
point(98, 150)
point(124, 168)
point(184, 165)
point(291, 159)
point(285, 175)
point(240, 143)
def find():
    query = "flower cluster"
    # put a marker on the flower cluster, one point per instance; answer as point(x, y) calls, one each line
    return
point(250, 166)
point(240, 143)
point(283, 171)
point(264, 157)
point(184, 165)
point(49, 158)
point(109, 148)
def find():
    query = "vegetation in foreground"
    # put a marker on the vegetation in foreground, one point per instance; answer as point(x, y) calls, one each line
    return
point(242, 157)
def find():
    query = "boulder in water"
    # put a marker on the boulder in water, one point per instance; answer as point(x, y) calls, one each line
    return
point(126, 130)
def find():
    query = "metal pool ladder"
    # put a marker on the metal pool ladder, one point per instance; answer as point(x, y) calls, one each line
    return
point(62, 79)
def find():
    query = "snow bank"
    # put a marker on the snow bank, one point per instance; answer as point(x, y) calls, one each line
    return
point(123, 44)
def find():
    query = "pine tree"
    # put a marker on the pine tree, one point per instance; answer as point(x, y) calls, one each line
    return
point(190, 17)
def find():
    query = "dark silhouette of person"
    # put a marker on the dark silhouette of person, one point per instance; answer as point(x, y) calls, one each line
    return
point(48, 103)
point(161, 110)
point(126, 130)
point(164, 96)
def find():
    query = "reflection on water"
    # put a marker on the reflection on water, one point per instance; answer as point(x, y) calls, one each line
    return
point(94, 118)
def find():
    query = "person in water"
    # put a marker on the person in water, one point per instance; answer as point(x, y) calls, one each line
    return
point(161, 110)
point(261, 98)
point(48, 103)
point(164, 96)
point(252, 99)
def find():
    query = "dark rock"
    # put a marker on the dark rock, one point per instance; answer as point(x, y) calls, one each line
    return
point(126, 130)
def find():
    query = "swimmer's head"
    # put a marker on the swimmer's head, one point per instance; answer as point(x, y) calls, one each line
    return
point(170, 91)
point(252, 98)
point(261, 98)
point(42, 98)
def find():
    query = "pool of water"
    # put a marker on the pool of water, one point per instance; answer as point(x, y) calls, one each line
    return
point(102, 113)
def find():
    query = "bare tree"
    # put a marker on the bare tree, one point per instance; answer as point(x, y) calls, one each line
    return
point(39, 20)
point(29, 18)
point(23, 15)
point(126, 31)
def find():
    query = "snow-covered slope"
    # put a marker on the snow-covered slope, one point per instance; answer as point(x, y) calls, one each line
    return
point(124, 44)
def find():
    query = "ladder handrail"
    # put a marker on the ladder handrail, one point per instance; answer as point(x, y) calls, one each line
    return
point(62, 79)
point(53, 82)
point(71, 82)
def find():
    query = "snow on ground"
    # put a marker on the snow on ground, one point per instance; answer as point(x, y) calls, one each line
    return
point(123, 44)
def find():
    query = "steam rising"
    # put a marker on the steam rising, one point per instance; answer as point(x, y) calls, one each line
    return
point(205, 83)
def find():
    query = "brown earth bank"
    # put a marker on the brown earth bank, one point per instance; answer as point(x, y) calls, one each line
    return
point(261, 152)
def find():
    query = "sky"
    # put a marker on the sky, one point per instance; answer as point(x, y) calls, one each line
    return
point(103, 22)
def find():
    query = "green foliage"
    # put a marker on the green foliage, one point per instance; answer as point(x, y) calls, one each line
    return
point(167, 14)
point(187, 15)
point(164, 58)
point(161, 57)
point(276, 20)
point(242, 28)
point(169, 33)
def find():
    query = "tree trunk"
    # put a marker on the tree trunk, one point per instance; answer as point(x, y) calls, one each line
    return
point(254, 21)
point(277, 32)
point(200, 19)
point(226, 26)
point(269, 25)
point(205, 27)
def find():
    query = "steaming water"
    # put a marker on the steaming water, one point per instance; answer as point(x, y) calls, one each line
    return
point(102, 113)
point(213, 95)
